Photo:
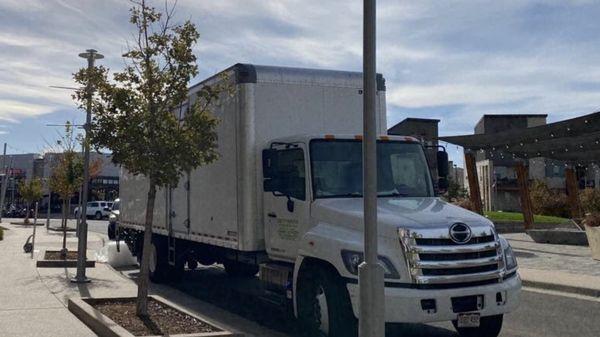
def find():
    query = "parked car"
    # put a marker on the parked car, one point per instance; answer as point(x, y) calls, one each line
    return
point(96, 209)
point(113, 217)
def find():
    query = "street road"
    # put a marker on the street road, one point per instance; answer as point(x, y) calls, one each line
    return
point(540, 314)
point(96, 226)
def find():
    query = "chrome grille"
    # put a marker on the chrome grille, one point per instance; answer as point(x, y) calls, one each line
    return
point(433, 258)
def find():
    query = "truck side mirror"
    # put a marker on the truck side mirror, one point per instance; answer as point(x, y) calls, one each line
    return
point(269, 157)
point(442, 185)
point(442, 163)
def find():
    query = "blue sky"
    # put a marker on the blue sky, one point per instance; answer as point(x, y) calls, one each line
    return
point(451, 60)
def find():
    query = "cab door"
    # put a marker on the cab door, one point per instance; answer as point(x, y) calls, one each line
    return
point(286, 199)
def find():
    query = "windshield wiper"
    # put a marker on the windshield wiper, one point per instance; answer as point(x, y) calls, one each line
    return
point(393, 194)
point(350, 194)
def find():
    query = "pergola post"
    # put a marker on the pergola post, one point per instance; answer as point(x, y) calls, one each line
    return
point(572, 192)
point(474, 191)
point(526, 205)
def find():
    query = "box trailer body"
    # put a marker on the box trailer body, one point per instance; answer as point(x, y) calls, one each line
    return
point(284, 200)
point(221, 203)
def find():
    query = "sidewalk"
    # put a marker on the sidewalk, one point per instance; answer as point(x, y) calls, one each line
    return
point(27, 306)
point(556, 267)
point(33, 301)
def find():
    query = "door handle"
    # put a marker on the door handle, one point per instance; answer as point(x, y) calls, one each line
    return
point(272, 215)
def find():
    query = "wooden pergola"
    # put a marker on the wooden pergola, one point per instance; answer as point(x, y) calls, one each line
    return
point(574, 141)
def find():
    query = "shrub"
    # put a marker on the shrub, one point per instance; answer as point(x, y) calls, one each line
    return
point(592, 220)
point(547, 201)
point(465, 203)
point(590, 200)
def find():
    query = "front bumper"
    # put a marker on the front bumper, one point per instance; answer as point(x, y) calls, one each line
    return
point(403, 305)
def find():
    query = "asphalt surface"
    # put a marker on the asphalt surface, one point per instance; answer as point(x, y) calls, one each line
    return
point(540, 314)
point(97, 226)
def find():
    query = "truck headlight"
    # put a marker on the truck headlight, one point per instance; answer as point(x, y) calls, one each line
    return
point(353, 259)
point(510, 259)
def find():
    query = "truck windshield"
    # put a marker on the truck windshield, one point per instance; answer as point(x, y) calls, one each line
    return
point(337, 169)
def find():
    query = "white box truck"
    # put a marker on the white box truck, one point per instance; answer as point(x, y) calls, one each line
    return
point(284, 201)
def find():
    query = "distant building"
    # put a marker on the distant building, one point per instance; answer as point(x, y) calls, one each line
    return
point(31, 165)
point(456, 174)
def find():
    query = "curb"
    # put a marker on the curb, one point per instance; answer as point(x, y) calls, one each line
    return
point(561, 288)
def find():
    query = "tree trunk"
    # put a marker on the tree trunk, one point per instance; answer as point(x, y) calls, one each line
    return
point(142, 297)
point(64, 226)
point(26, 221)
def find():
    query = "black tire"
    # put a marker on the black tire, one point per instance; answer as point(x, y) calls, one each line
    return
point(192, 264)
point(314, 285)
point(238, 269)
point(489, 327)
point(98, 215)
point(112, 233)
point(160, 271)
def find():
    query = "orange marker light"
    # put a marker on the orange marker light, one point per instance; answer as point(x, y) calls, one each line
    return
point(358, 137)
point(329, 137)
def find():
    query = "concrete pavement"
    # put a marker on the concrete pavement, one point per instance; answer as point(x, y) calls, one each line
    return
point(556, 267)
point(27, 306)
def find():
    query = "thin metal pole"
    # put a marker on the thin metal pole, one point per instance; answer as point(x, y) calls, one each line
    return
point(4, 182)
point(371, 274)
point(91, 55)
point(78, 220)
point(49, 205)
point(34, 227)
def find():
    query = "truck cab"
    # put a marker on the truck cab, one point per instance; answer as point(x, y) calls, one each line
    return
point(441, 262)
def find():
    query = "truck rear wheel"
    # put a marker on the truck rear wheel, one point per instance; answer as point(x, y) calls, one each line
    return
point(238, 269)
point(489, 327)
point(324, 307)
point(159, 269)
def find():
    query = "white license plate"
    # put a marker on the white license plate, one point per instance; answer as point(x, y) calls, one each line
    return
point(468, 320)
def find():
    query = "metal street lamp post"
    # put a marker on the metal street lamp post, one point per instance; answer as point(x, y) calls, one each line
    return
point(4, 182)
point(91, 55)
point(370, 272)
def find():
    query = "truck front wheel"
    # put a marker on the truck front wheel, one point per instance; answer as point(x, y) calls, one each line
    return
point(324, 307)
point(489, 327)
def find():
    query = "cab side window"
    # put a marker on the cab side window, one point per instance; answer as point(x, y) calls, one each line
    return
point(290, 173)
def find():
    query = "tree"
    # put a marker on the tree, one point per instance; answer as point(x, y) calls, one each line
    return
point(134, 112)
point(67, 174)
point(31, 191)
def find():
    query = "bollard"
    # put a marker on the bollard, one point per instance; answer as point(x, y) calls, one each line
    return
point(34, 227)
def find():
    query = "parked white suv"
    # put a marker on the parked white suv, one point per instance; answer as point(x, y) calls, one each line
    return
point(96, 209)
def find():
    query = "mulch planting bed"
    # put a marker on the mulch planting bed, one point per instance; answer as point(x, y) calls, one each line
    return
point(27, 224)
point(55, 255)
point(162, 320)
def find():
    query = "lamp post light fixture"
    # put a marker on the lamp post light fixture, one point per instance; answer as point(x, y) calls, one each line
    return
point(90, 55)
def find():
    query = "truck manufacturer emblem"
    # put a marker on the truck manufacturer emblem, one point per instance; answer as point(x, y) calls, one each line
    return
point(460, 233)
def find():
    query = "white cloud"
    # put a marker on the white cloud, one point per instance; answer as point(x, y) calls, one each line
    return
point(450, 60)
